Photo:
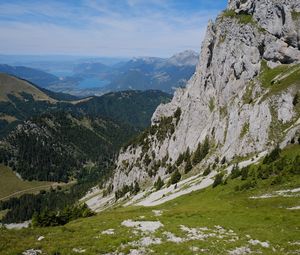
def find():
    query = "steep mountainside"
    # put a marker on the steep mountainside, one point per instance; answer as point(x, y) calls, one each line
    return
point(241, 102)
point(56, 146)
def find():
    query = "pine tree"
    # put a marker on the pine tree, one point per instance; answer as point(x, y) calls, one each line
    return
point(187, 155)
point(207, 171)
point(201, 152)
point(218, 180)
point(158, 184)
point(136, 188)
point(274, 155)
point(176, 176)
point(188, 166)
point(205, 148)
point(197, 155)
point(235, 173)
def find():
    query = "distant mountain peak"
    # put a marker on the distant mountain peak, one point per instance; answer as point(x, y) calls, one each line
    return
point(184, 58)
point(147, 60)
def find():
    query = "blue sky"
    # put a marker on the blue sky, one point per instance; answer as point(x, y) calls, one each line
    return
point(120, 28)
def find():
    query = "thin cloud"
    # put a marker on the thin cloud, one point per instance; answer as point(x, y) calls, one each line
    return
point(122, 28)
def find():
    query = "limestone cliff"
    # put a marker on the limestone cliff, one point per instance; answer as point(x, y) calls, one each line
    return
point(242, 98)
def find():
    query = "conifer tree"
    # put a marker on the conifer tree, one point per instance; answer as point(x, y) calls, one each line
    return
point(188, 166)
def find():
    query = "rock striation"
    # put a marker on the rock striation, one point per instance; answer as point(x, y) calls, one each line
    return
point(241, 97)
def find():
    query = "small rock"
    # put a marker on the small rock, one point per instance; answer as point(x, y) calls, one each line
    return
point(108, 232)
point(78, 250)
point(32, 252)
point(40, 238)
point(257, 242)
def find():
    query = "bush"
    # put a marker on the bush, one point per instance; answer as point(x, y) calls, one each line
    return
point(246, 186)
point(273, 156)
point(177, 115)
point(207, 171)
point(264, 172)
point(244, 173)
point(175, 177)
point(133, 189)
point(296, 99)
point(218, 180)
point(235, 173)
point(277, 180)
point(223, 161)
point(69, 213)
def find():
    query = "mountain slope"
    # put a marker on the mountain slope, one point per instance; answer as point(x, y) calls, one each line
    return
point(221, 220)
point(221, 131)
point(47, 139)
point(55, 147)
point(12, 86)
point(131, 107)
point(20, 100)
point(238, 109)
point(35, 76)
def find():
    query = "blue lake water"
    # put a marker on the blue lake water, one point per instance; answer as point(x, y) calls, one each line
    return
point(92, 83)
point(62, 73)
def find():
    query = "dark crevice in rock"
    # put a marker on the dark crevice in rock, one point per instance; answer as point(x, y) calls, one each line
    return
point(261, 49)
point(211, 49)
point(283, 15)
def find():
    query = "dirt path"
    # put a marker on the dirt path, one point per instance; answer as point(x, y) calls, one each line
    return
point(54, 185)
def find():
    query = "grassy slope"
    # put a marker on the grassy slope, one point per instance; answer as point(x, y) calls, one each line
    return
point(14, 86)
point(10, 183)
point(262, 219)
point(279, 78)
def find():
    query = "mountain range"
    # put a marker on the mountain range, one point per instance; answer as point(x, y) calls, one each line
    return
point(90, 78)
point(215, 170)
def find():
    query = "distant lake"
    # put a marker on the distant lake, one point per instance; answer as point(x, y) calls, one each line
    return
point(62, 73)
point(92, 83)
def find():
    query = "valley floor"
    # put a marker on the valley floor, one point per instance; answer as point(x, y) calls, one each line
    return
point(210, 221)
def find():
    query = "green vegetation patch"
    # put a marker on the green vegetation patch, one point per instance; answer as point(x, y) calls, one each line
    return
point(295, 15)
point(211, 104)
point(245, 130)
point(280, 77)
point(242, 18)
point(222, 209)
point(247, 97)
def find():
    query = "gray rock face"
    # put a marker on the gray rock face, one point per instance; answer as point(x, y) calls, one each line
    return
point(275, 16)
point(225, 100)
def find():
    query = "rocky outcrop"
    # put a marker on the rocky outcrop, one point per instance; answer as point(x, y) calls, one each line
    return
point(233, 99)
point(275, 16)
